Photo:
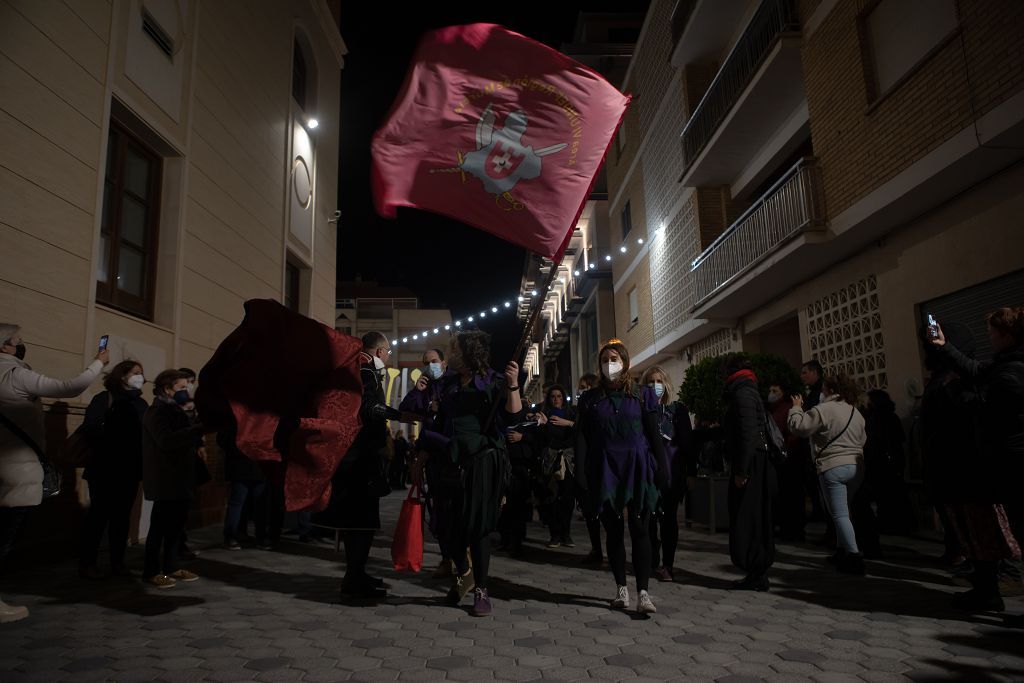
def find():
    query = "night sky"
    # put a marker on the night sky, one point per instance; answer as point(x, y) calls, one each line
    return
point(419, 250)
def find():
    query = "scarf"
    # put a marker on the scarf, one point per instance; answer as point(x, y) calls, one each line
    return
point(741, 374)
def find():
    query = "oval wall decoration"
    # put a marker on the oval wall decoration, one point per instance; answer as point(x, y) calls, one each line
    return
point(302, 182)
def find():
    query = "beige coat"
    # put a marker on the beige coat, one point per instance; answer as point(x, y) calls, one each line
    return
point(21, 476)
point(825, 421)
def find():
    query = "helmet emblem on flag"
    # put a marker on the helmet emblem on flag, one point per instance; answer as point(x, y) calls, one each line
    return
point(501, 159)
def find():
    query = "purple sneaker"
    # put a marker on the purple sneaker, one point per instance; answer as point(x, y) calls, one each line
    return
point(481, 603)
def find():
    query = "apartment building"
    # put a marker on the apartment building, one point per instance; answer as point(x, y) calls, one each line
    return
point(163, 162)
point(811, 178)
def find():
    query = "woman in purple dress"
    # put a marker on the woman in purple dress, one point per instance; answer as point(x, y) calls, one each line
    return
point(621, 463)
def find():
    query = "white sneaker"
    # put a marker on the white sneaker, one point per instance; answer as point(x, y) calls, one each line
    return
point(9, 613)
point(621, 600)
point(644, 605)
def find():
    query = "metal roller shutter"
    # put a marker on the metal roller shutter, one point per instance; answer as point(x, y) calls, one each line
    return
point(970, 306)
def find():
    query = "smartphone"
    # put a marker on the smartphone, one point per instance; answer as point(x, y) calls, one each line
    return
point(933, 327)
point(103, 342)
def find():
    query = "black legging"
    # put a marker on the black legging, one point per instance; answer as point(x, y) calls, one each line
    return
point(480, 551)
point(357, 553)
point(563, 504)
point(668, 522)
point(615, 528)
point(110, 508)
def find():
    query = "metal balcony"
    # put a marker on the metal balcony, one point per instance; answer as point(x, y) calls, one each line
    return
point(793, 205)
point(772, 20)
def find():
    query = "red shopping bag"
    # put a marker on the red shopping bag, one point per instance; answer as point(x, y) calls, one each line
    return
point(407, 544)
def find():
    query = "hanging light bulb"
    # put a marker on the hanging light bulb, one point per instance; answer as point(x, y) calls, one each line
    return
point(405, 339)
point(458, 323)
point(639, 240)
point(447, 327)
point(435, 330)
point(470, 318)
point(519, 298)
point(494, 309)
point(608, 257)
point(483, 314)
point(508, 304)
point(592, 266)
point(576, 273)
point(533, 292)
point(623, 248)
point(415, 336)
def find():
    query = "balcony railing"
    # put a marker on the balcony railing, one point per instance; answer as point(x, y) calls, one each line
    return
point(794, 204)
point(772, 19)
point(680, 17)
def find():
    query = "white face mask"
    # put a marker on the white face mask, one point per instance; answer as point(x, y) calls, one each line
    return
point(136, 381)
point(434, 370)
point(821, 397)
point(612, 370)
point(659, 389)
point(191, 388)
point(378, 363)
point(773, 397)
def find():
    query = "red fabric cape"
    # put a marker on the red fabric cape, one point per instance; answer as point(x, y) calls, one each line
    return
point(292, 387)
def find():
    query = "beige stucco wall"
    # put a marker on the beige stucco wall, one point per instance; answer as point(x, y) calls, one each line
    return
point(224, 226)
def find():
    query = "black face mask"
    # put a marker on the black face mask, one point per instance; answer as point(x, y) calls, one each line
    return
point(19, 352)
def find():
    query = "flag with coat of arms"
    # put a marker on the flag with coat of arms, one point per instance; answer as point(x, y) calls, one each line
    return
point(498, 131)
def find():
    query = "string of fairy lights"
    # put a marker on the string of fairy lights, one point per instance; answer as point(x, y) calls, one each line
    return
point(507, 304)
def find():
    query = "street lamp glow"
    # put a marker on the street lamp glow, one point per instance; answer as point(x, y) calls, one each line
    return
point(405, 339)
point(533, 292)
point(592, 266)
point(576, 273)
point(483, 314)
point(415, 336)
point(508, 304)
point(639, 240)
point(623, 248)
point(519, 298)
point(447, 327)
point(494, 309)
point(470, 318)
point(458, 323)
point(312, 123)
point(435, 330)
point(608, 257)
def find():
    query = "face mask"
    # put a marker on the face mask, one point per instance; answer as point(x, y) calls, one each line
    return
point(181, 397)
point(612, 370)
point(191, 389)
point(821, 398)
point(659, 389)
point(378, 363)
point(435, 370)
point(773, 397)
point(136, 381)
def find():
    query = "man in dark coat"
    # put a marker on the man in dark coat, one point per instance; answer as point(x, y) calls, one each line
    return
point(361, 478)
point(754, 484)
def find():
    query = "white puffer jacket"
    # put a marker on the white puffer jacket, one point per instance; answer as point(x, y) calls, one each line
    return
point(21, 475)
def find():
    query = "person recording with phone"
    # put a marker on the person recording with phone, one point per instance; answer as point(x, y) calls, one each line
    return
point(989, 491)
point(23, 436)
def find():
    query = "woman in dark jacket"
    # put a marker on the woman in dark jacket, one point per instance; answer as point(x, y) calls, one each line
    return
point(621, 463)
point(169, 443)
point(981, 521)
point(558, 464)
point(470, 485)
point(676, 430)
point(114, 424)
point(754, 483)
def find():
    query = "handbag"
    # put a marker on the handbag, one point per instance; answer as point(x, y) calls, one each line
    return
point(81, 445)
point(51, 475)
point(407, 542)
point(834, 438)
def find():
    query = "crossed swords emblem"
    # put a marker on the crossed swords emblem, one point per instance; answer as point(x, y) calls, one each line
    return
point(500, 159)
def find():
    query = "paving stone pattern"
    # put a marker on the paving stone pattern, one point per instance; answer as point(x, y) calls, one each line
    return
point(277, 616)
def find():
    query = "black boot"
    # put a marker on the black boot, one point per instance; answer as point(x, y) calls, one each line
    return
point(851, 563)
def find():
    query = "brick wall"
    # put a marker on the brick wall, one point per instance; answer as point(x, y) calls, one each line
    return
point(861, 144)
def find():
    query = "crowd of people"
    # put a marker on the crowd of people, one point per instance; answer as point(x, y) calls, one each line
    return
point(623, 454)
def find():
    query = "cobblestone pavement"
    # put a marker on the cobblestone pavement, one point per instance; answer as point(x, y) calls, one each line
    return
point(276, 616)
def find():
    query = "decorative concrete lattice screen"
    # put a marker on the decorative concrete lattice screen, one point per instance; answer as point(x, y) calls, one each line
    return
point(672, 251)
point(845, 329)
point(712, 345)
